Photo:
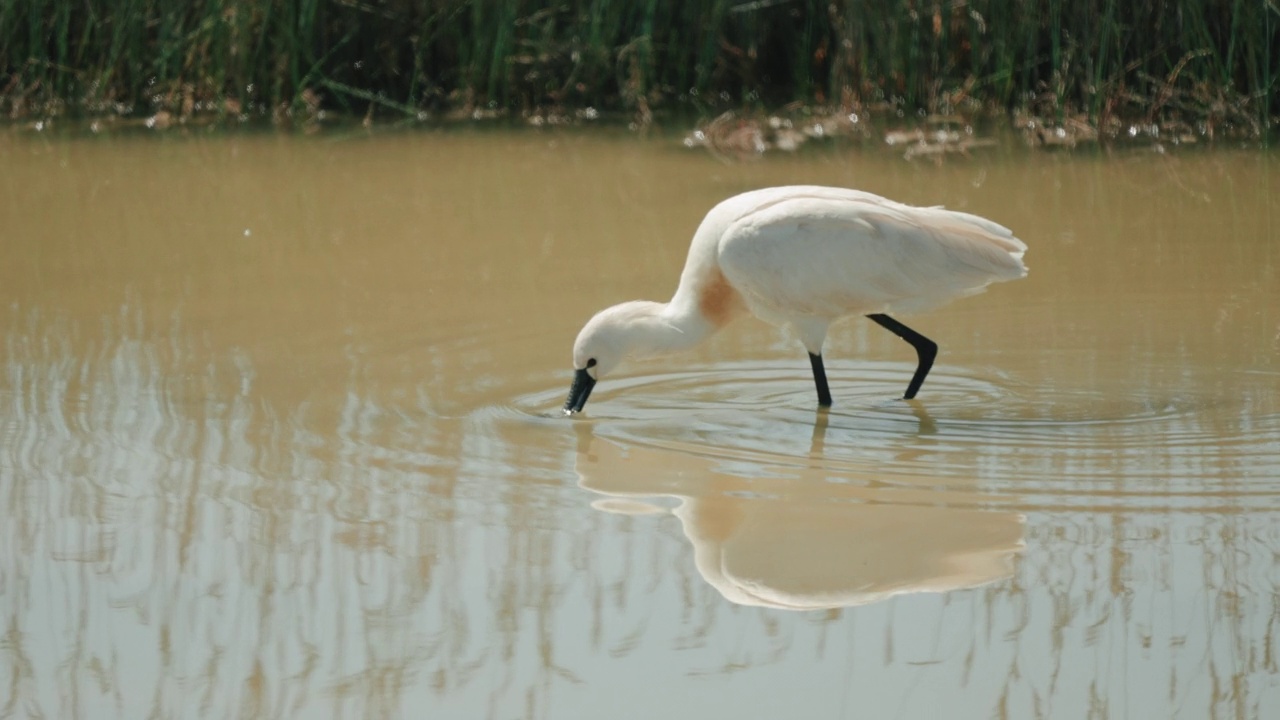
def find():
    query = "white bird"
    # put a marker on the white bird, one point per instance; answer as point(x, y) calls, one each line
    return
point(803, 257)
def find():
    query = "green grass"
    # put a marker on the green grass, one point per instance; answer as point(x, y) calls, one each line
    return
point(1204, 61)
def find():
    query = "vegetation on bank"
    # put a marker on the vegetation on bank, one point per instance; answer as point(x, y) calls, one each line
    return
point(1210, 66)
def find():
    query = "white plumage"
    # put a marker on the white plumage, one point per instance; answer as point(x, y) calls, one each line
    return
point(803, 257)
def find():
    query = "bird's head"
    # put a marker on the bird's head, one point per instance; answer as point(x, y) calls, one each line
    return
point(613, 335)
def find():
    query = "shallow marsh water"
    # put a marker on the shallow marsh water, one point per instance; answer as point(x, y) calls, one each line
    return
point(279, 437)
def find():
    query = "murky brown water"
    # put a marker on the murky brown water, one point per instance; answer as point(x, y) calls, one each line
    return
point(279, 438)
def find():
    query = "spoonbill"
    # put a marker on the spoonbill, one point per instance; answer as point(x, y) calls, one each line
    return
point(802, 257)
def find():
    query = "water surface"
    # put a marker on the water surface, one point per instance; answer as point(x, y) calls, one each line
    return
point(280, 438)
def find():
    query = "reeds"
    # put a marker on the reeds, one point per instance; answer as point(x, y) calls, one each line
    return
point(1204, 61)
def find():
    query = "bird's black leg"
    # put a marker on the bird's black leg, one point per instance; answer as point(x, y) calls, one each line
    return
point(820, 379)
point(926, 349)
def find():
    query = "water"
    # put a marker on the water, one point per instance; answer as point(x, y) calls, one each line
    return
point(280, 438)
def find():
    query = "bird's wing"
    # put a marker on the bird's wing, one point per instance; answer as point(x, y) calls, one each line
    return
point(828, 257)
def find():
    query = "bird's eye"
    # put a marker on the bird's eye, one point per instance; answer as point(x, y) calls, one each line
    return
point(591, 363)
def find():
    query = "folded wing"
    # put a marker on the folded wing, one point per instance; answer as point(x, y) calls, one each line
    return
point(831, 256)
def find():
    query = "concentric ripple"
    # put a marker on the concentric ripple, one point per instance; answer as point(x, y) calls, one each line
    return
point(973, 430)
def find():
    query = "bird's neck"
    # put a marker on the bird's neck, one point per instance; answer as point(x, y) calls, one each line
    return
point(680, 328)
point(704, 303)
point(655, 328)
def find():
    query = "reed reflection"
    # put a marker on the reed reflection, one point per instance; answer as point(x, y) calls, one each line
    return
point(177, 540)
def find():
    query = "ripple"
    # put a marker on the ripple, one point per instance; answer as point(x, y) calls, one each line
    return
point(973, 430)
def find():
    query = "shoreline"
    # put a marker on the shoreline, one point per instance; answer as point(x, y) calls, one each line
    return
point(731, 136)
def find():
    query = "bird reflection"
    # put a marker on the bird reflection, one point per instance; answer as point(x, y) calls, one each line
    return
point(813, 539)
point(822, 419)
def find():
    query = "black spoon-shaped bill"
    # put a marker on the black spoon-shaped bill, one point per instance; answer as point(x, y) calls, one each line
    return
point(579, 391)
